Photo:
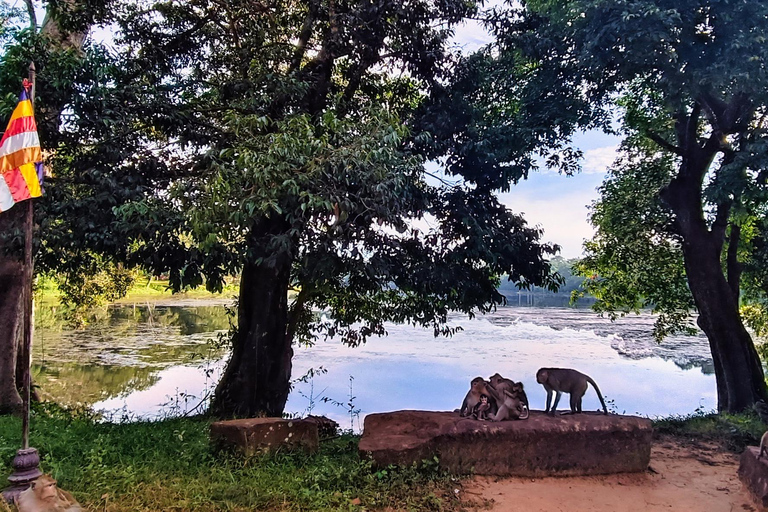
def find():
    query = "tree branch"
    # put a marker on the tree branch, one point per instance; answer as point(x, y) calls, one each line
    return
point(32, 15)
point(661, 141)
point(692, 125)
point(304, 35)
point(733, 267)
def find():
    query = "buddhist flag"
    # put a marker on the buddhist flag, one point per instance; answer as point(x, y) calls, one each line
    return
point(21, 168)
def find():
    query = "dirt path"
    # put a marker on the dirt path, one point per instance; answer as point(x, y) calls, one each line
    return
point(683, 477)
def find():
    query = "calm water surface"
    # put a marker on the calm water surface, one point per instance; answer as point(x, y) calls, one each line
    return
point(155, 360)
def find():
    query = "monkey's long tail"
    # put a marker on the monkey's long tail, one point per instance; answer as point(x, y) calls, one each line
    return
point(525, 414)
point(599, 395)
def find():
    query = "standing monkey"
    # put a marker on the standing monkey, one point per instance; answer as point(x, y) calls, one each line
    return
point(565, 380)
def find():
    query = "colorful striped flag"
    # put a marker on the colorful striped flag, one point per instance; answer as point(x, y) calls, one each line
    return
point(21, 168)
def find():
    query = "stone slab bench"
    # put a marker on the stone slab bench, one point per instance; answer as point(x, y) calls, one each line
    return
point(542, 445)
point(253, 436)
point(753, 472)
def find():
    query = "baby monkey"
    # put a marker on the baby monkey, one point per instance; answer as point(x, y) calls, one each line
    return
point(478, 388)
point(44, 496)
point(482, 410)
point(565, 380)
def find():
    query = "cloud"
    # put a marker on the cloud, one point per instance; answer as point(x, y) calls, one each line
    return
point(471, 36)
point(597, 160)
point(562, 214)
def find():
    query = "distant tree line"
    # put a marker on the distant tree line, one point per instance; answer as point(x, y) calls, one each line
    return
point(570, 294)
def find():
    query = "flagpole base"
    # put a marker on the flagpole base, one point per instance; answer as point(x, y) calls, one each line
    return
point(26, 465)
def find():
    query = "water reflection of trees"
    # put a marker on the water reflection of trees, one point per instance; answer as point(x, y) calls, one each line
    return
point(707, 366)
point(72, 384)
point(189, 320)
point(121, 349)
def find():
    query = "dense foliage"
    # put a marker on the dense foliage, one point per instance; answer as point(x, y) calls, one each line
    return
point(679, 210)
point(286, 143)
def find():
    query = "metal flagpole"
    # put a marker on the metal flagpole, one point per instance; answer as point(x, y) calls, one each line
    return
point(27, 461)
point(28, 298)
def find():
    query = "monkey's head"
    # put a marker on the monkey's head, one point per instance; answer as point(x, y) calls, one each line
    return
point(483, 399)
point(44, 488)
point(495, 378)
point(541, 376)
point(478, 384)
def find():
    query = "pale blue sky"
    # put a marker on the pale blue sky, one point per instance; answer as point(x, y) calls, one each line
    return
point(559, 203)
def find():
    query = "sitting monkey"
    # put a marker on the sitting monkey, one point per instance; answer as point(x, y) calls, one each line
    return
point(565, 380)
point(511, 408)
point(44, 496)
point(500, 384)
point(482, 410)
point(477, 389)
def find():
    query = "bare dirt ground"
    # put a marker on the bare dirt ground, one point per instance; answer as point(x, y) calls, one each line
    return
point(683, 476)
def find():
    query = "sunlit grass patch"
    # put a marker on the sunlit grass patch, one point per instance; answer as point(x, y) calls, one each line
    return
point(734, 431)
point(169, 465)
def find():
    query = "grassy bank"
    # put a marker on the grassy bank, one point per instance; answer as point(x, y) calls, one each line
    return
point(733, 432)
point(144, 289)
point(168, 465)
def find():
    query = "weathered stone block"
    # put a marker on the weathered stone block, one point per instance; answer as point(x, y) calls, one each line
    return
point(581, 444)
point(754, 473)
point(263, 435)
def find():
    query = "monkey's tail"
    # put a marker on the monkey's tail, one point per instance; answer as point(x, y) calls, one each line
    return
point(525, 414)
point(599, 395)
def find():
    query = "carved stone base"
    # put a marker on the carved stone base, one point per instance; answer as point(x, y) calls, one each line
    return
point(753, 472)
point(542, 445)
point(26, 466)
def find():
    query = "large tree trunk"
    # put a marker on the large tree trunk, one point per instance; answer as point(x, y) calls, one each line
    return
point(257, 379)
point(738, 371)
point(12, 283)
point(11, 302)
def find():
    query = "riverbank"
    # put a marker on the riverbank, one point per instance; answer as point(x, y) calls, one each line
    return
point(168, 465)
point(144, 289)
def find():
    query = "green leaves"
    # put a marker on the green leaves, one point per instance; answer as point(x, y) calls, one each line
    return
point(635, 261)
point(206, 121)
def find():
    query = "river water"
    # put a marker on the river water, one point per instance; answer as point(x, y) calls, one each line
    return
point(156, 360)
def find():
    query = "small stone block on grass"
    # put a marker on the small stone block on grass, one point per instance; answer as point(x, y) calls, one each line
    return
point(253, 436)
point(753, 472)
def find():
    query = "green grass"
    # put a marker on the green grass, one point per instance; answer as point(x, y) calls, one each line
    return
point(142, 290)
point(169, 465)
point(732, 431)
